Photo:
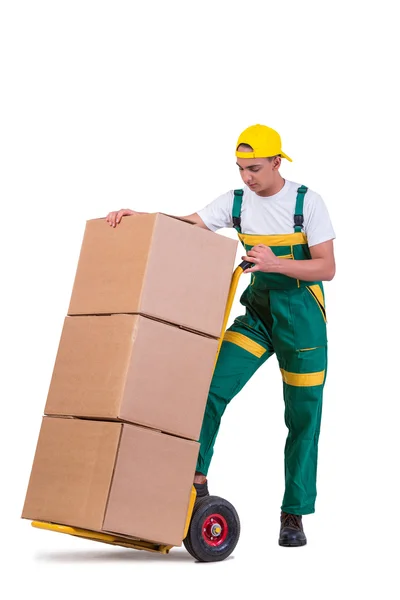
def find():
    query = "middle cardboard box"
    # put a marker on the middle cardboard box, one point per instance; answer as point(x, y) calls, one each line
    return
point(135, 369)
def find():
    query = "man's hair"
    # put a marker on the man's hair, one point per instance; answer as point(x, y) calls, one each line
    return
point(250, 149)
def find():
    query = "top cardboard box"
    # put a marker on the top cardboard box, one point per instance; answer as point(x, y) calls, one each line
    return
point(158, 266)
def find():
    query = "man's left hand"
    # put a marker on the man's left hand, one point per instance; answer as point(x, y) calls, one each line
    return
point(263, 258)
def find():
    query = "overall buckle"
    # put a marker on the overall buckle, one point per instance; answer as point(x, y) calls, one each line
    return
point(236, 221)
point(298, 220)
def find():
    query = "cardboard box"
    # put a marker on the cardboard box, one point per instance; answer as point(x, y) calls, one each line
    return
point(135, 369)
point(155, 265)
point(111, 477)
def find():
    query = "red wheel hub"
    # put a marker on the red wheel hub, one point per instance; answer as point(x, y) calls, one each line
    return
point(215, 530)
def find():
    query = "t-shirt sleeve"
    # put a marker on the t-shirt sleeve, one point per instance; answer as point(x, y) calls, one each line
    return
point(317, 223)
point(218, 213)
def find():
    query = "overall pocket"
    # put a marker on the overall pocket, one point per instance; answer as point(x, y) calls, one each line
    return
point(317, 294)
point(309, 318)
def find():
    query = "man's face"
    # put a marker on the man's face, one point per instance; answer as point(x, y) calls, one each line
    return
point(258, 173)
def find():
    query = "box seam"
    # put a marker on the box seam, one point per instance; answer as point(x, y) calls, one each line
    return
point(112, 478)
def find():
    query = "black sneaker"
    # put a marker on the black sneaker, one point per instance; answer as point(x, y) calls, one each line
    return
point(201, 489)
point(292, 533)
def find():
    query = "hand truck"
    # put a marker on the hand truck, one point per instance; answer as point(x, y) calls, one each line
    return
point(212, 527)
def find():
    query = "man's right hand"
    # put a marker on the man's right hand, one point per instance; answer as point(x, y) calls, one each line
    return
point(113, 218)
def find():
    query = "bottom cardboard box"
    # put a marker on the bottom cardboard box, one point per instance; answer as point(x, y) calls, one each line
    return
point(111, 477)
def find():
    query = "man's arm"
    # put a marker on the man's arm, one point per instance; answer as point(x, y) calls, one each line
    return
point(321, 267)
point(197, 220)
point(114, 217)
point(217, 214)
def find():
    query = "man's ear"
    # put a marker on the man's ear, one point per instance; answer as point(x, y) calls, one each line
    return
point(277, 163)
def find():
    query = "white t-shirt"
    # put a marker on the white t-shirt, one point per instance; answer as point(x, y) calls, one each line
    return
point(272, 214)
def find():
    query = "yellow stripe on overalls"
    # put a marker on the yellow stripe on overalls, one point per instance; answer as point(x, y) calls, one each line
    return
point(287, 239)
point(303, 379)
point(244, 342)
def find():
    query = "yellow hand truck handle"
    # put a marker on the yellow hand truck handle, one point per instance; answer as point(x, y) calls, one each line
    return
point(231, 295)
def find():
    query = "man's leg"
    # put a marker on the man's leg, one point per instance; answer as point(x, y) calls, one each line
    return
point(303, 374)
point(245, 348)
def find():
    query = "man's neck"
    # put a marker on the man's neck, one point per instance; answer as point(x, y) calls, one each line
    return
point(274, 188)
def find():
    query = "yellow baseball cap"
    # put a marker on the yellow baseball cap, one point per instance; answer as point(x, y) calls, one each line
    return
point(264, 141)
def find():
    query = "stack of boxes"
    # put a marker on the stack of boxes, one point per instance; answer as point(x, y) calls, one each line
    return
point(118, 445)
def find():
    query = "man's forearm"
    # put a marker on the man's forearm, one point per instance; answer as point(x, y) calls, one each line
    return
point(315, 269)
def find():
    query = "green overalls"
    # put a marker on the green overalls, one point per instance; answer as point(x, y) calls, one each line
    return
point(285, 316)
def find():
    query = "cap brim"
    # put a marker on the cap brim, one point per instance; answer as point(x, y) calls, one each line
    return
point(286, 156)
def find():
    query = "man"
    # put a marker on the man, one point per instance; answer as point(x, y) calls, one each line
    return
point(288, 236)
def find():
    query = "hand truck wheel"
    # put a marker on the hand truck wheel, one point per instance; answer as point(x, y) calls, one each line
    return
point(213, 531)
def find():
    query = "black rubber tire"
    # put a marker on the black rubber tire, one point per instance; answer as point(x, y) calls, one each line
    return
point(196, 541)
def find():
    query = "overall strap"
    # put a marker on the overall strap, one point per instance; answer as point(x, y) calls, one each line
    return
point(237, 209)
point(298, 211)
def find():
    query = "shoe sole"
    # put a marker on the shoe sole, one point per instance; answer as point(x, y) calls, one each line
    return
point(292, 545)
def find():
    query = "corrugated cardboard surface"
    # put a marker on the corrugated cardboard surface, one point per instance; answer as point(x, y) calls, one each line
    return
point(72, 471)
point(132, 368)
point(168, 379)
point(151, 488)
point(111, 267)
point(91, 365)
point(114, 477)
point(155, 265)
point(196, 267)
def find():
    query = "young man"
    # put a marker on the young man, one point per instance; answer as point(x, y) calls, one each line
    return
point(287, 235)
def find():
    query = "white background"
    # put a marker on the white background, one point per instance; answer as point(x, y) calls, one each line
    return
point(139, 104)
